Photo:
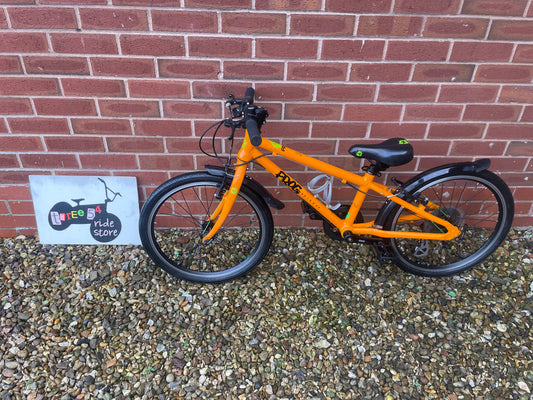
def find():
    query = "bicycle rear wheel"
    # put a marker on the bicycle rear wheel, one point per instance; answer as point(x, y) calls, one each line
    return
point(175, 218)
point(479, 203)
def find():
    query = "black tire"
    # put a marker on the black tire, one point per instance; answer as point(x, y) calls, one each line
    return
point(479, 203)
point(173, 219)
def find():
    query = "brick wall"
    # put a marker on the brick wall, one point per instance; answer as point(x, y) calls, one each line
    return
point(125, 87)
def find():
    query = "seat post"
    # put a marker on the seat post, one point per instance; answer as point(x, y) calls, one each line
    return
point(375, 168)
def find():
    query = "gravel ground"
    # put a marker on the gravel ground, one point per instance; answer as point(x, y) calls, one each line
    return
point(317, 319)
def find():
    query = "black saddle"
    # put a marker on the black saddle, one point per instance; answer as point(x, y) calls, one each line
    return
point(77, 201)
point(390, 153)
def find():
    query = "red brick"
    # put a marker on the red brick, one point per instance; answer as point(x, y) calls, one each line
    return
point(64, 106)
point(530, 11)
point(285, 129)
point(468, 94)
point(407, 93)
point(14, 192)
point(159, 88)
point(74, 2)
point(360, 6)
point(456, 27)
point(162, 127)
point(220, 47)
point(430, 112)
point(20, 143)
point(192, 109)
point(3, 20)
point(28, 86)
point(417, 50)
point(135, 145)
point(197, 69)
point(10, 65)
point(8, 161)
point(384, 72)
point(475, 112)
point(427, 6)
point(431, 148)
point(523, 148)
point(286, 48)
point(528, 115)
point(322, 25)
point(504, 73)
point(3, 126)
point(372, 112)
point(139, 67)
point(284, 91)
point(152, 45)
point(478, 148)
point(294, 5)
point(481, 51)
point(218, 4)
point(166, 162)
point(516, 94)
point(503, 164)
point(113, 19)
point(39, 125)
point(21, 207)
point(15, 106)
point(83, 43)
point(511, 30)
point(312, 71)
point(443, 72)
point(108, 161)
point(385, 130)
point(74, 143)
point(129, 108)
point(93, 87)
point(20, 176)
point(184, 21)
point(23, 42)
point(312, 147)
point(42, 18)
point(524, 53)
point(147, 3)
point(352, 130)
point(456, 131)
point(101, 126)
point(385, 25)
point(313, 111)
point(494, 7)
point(333, 49)
point(509, 131)
point(257, 23)
point(56, 65)
point(189, 145)
point(218, 90)
point(253, 70)
point(49, 160)
point(3, 207)
point(345, 92)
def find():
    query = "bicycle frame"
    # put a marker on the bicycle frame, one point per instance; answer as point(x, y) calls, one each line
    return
point(365, 183)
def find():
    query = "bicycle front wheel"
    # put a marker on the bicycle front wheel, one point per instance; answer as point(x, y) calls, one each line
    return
point(175, 218)
point(480, 204)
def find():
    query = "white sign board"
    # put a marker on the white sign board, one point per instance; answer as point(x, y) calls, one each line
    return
point(86, 209)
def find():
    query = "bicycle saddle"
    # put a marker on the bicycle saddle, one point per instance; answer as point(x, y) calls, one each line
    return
point(77, 201)
point(390, 153)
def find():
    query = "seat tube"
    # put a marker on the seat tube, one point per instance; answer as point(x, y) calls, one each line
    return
point(359, 198)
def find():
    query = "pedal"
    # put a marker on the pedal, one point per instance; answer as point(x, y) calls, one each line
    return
point(382, 253)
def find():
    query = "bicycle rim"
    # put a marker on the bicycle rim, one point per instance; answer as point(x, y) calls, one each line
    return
point(476, 205)
point(180, 219)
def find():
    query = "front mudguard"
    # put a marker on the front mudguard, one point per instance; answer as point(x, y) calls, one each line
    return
point(426, 176)
point(251, 184)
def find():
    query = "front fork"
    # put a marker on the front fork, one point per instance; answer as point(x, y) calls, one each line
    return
point(217, 218)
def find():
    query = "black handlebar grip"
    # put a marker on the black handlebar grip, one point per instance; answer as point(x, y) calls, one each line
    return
point(249, 96)
point(253, 132)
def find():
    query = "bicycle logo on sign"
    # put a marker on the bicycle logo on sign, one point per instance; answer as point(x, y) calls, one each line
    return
point(105, 226)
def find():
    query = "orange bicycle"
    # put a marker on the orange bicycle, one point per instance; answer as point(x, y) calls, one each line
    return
point(216, 225)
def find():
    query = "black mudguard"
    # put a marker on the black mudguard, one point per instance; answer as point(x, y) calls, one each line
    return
point(251, 184)
point(429, 175)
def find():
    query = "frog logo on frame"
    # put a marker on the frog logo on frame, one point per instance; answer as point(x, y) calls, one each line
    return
point(86, 210)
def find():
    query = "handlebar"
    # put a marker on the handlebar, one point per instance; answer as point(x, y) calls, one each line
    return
point(253, 132)
point(247, 115)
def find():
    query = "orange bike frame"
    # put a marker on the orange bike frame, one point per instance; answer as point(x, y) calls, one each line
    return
point(365, 183)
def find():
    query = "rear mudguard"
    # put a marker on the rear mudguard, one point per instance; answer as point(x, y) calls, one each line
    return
point(251, 184)
point(426, 176)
